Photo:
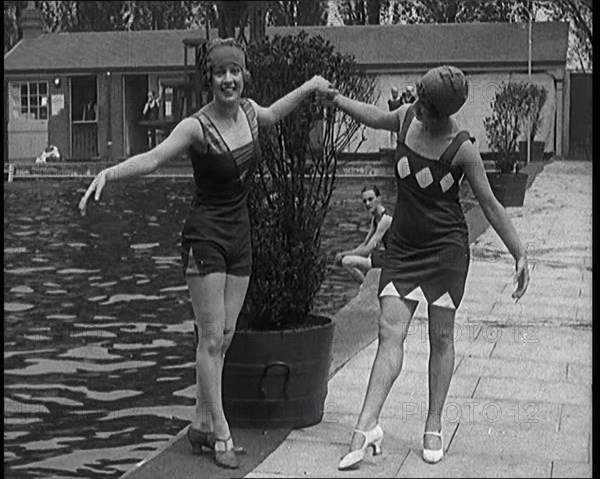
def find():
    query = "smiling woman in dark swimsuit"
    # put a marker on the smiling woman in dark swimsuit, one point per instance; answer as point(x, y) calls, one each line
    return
point(222, 141)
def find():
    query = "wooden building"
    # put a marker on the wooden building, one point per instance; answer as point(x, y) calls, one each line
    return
point(85, 92)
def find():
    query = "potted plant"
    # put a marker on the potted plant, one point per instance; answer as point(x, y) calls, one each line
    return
point(277, 368)
point(503, 128)
point(534, 98)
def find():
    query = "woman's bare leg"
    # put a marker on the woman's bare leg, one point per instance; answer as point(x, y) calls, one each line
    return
point(208, 300)
point(441, 368)
point(394, 321)
point(357, 266)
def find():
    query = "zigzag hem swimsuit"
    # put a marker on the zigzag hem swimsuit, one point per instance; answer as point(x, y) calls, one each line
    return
point(427, 255)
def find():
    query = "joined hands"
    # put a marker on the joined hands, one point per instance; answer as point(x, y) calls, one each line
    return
point(324, 90)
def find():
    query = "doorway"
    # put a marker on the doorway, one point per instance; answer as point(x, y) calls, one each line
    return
point(84, 117)
point(580, 134)
point(135, 92)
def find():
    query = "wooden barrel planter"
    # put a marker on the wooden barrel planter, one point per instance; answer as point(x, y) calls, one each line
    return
point(278, 379)
point(508, 188)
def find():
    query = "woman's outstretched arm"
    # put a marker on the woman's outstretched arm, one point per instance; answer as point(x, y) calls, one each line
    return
point(185, 134)
point(286, 104)
point(369, 115)
point(470, 161)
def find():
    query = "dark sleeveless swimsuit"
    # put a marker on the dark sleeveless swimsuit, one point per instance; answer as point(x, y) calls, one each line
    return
point(377, 256)
point(216, 232)
point(427, 256)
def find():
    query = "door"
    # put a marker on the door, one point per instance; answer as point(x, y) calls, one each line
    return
point(84, 117)
point(28, 119)
point(580, 131)
point(135, 92)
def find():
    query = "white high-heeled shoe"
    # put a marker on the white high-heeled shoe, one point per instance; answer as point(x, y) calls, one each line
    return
point(373, 439)
point(433, 455)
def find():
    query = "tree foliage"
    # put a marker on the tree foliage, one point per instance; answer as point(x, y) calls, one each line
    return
point(534, 101)
point(456, 11)
point(76, 16)
point(577, 12)
point(579, 15)
point(503, 127)
point(12, 23)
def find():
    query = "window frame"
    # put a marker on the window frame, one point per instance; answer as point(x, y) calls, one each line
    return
point(29, 105)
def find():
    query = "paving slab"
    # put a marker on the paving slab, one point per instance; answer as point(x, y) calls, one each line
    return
point(541, 416)
point(513, 368)
point(532, 342)
point(579, 373)
point(322, 461)
point(519, 443)
point(529, 390)
point(571, 469)
point(398, 431)
point(575, 418)
point(267, 476)
point(473, 465)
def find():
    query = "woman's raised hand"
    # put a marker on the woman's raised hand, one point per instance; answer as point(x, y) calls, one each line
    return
point(318, 84)
point(326, 94)
point(97, 186)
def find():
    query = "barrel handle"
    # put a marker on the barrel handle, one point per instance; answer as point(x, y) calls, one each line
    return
point(261, 390)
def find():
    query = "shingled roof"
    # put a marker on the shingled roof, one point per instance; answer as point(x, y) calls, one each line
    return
point(374, 46)
point(462, 44)
point(89, 51)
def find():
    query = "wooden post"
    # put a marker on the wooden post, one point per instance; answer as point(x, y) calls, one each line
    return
point(231, 15)
point(234, 17)
point(258, 13)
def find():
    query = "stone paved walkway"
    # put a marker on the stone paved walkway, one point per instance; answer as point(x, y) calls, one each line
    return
point(520, 400)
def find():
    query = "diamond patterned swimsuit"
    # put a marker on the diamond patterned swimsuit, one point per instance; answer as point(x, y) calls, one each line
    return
point(427, 255)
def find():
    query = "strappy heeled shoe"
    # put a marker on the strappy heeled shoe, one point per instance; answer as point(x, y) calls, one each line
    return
point(201, 439)
point(373, 439)
point(225, 453)
point(433, 455)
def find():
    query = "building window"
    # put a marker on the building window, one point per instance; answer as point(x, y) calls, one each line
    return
point(29, 100)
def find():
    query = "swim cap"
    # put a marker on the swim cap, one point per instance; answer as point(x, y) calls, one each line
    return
point(445, 88)
point(225, 54)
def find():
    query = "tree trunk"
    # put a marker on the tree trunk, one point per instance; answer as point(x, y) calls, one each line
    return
point(230, 17)
point(450, 12)
point(257, 12)
point(309, 13)
point(360, 12)
point(373, 9)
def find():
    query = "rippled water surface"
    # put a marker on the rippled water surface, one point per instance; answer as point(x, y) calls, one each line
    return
point(98, 342)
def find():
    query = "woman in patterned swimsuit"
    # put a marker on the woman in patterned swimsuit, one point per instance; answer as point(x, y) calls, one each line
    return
point(427, 257)
point(222, 140)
